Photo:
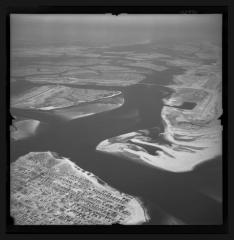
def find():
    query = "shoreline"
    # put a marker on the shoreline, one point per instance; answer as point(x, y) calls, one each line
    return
point(22, 129)
point(58, 165)
point(193, 136)
point(140, 214)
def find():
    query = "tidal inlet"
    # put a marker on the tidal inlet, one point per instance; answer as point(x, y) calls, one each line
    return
point(117, 119)
point(191, 136)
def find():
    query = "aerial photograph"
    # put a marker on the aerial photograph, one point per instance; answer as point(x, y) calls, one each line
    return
point(116, 119)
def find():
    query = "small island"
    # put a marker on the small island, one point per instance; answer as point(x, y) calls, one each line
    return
point(50, 190)
point(24, 128)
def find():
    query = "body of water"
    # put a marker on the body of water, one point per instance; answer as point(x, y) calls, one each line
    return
point(163, 193)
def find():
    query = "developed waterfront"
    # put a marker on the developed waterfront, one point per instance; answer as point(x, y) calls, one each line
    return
point(47, 189)
point(173, 198)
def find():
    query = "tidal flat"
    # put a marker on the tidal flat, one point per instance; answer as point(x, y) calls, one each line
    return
point(192, 136)
point(152, 83)
point(21, 129)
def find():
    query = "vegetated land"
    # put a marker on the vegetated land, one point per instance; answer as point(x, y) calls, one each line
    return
point(49, 97)
point(85, 66)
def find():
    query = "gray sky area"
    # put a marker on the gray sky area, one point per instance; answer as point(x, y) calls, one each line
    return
point(102, 29)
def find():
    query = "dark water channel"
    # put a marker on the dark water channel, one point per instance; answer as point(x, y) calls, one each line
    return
point(163, 193)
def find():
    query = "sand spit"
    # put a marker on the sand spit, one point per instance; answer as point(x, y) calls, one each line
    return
point(88, 109)
point(190, 137)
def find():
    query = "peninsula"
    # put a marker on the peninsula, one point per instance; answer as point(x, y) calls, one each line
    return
point(50, 190)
